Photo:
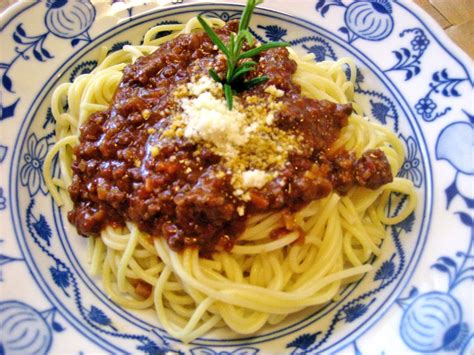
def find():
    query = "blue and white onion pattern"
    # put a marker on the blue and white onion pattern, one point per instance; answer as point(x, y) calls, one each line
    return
point(69, 19)
point(432, 322)
point(23, 330)
point(456, 145)
point(31, 170)
point(371, 19)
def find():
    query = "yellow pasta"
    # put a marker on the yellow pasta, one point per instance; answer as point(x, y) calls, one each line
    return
point(260, 280)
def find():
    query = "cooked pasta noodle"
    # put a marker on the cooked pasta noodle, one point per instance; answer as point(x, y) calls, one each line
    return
point(261, 280)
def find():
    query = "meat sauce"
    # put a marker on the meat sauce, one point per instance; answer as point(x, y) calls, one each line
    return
point(178, 194)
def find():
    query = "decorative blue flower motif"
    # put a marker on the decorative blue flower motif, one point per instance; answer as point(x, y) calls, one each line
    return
point(60, 276)
point(407, 224)
point(358, 79)
point(43, 229)
point(6, 111)
point(65, 19)
point(319, 52)
point(49, 118)
point(31, 172)
point(83, 68)
point(419, 43)
point(3, 200)
point(356, 311)
point(224, 16)
point(455, 336)
point(70, 19)
point(370, 19)
point(273, 32)
point(119, 45)
point(455, 144)
point(304, 341)
point(321, 49)
point(380, 111)
point(99, 317)
point(158, 35)
point(408, 60)
point(386, 270)
point(442, 84)
point(411, 166)
point(433, 322)
point(425, 107)
point(24, 329)
point(152, 348)
point(323, 6)
point(359, 76)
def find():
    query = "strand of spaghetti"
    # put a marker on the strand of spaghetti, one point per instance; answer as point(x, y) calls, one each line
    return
point(315, 223)
point(349, 250)
point(326, 88)
point(405, 187)
point(263, 248)
point(262, 228)
point(228, 287)
point(150, 34)
point(97, 255)
point(330, 207)
point(185, 333)
point(117, 297)
point(125, 258)
point(240, 323)
point(356, 228)
point(149, 275)
point(260, 301)
point(48, 160)
point(331, 247)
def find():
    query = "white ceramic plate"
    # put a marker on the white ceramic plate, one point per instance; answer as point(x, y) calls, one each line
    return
point(411, 78)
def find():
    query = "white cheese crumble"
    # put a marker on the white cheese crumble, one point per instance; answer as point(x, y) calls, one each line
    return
point(272, 90)
point(270, 118)
point(208, 118)
point(255, 178)
point(204, 84)
point(241, 210)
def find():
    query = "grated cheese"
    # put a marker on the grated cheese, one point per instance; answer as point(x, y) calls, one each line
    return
point(272, 90)
point(205, 83)
point(154, 151)
point(255, 178)
point(252, 148)
point(207, 118)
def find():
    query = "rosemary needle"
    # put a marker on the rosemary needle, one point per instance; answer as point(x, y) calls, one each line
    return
point(236, 69)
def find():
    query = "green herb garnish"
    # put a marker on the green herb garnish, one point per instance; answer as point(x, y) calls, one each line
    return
point(236, 69)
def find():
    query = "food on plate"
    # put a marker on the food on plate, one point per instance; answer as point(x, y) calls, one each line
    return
point(223, 181)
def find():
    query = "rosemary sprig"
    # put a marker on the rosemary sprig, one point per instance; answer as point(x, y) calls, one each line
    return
point(236, 68)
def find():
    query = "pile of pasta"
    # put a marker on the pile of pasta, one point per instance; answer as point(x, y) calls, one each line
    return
point(261, 280)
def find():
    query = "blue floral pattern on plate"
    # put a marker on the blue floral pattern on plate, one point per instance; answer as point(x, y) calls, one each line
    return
point(434, 123)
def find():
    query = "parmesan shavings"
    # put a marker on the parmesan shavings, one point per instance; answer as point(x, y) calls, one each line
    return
point(251, 146)
point(272, 90)
point(207, 118)
point(255, 178)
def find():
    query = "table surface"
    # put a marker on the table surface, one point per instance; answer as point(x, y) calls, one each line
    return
point(456, 17)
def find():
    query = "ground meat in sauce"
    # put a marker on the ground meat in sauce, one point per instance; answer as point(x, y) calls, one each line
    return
point(178, 193)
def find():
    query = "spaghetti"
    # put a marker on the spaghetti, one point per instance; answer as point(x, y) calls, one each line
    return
point(262, 279)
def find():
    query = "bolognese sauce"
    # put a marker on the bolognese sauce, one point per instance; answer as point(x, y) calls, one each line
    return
point(140, 161)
